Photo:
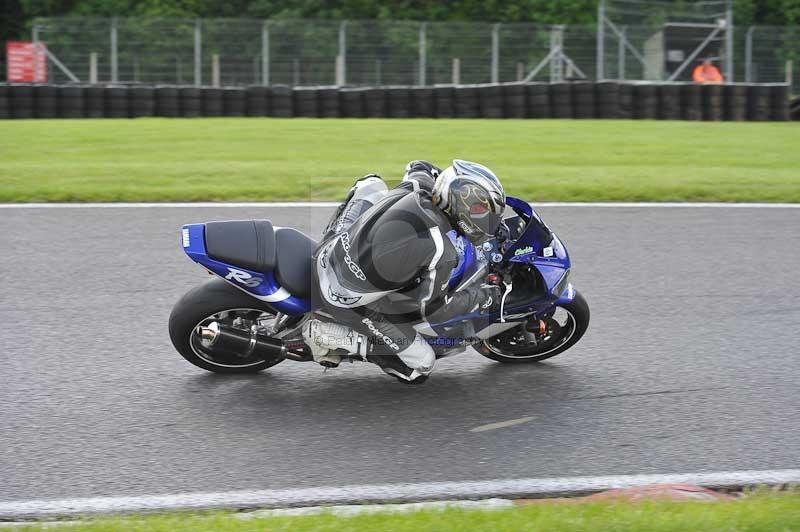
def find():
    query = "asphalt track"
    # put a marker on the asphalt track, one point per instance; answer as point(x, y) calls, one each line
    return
point(691, 364)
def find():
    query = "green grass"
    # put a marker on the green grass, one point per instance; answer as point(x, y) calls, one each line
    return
point(766, 512)
point(312, 159)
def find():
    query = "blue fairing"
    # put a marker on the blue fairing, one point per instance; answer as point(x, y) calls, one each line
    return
point(260, 285)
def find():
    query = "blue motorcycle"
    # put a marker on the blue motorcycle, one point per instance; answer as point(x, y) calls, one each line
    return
point(250, 315)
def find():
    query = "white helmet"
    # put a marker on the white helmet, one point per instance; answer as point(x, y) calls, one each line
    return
point(472, 198)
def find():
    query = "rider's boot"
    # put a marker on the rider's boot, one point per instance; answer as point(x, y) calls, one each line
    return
point(324, 338)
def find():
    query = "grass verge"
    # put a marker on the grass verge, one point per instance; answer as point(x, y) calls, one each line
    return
point(761, 512)
point(312, 159)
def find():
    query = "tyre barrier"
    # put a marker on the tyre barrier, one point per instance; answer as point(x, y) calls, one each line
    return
point(443, 96)
point(794, 109)
point(583, 100)
point(4, 104)
point(328, 102)
point(257, 101)
point(190, 101)
point(352, 102)
point(142, 101)
point(422, 102)
point(560, 100)
point(375, 102)
point(465, 102)
point(234, 102)
point(490, 100)
point(608, 99)
point(167, 103)
point(538, 100)
point(399, 102)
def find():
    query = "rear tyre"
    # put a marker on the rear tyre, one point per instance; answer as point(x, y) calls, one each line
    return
point(216, 300)
point(567, 326)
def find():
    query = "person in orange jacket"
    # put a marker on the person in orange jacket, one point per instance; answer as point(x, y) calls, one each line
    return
point(706, 73)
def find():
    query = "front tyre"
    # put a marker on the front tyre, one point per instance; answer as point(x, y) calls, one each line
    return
point(217, 301)
point(563, 330)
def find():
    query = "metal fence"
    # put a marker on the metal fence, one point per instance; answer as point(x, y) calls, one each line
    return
point(376, 52)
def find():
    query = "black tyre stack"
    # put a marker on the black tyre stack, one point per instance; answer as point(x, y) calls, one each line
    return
point(670, 102)
point(780, 102)
point(305, 102)
point(794, 109)
point(142, 101)
point(5, 111)
point(735, 102)
point(167, 103)
point(561, 100)
point(257, 101)
point(538, 96)
point(399, 100)
point(280, 99)
point(514, 100)
point(422, 100)
point(607, 99)
point(443, 97)
point(117, 102)
point(94, 101)
point(191, 102)
point(375, 102)
point(465, 101)
point(490, 98)
point(625, 101)
point(328, 98)
point(583, 100)
point(645, 101)
point(352, 101)
point(759, 102)
point(234, 101)
point(70, 101)
point(211, 101)
point(21, 101)
point(691, 102)
point(712, 102)
point(45, 101)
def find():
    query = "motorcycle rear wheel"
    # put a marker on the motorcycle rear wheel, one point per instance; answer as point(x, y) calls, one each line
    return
point(216, 300)
point(512, 347)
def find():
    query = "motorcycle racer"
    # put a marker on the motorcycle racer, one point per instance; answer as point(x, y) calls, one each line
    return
point(385, 261)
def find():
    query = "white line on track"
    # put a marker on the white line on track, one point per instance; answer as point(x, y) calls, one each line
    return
point(392, 493)
point(502, 424)
point(328, 204)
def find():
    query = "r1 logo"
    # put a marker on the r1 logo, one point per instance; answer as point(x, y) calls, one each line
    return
point(243, 278)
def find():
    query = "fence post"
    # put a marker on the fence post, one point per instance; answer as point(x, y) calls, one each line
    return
point(423, 53)
point(601, 40)
point(114, 64)
point(215, 77)
point(748, 55)
point(621, 53)
point(198, 53)
point(93, 68)
point(265, 53)
point(456, 71)
point(520, 70)
point(496, 53)
point(789, 76)
point(341, 63)
point(729, 42)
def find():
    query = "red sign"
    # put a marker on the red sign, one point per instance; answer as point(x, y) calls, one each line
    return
point(26, 62)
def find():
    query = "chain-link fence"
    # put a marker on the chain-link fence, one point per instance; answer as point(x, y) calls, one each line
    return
point(221, 52)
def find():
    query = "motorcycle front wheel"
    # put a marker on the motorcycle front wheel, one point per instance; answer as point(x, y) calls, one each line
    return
point(563, 330)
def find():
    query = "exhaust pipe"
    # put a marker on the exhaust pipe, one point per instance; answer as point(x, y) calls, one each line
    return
point(243, 343)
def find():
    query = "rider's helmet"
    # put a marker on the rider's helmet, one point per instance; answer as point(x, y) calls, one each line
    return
point(472, 198)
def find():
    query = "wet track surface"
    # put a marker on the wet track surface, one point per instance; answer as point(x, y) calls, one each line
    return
point(690, 364)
